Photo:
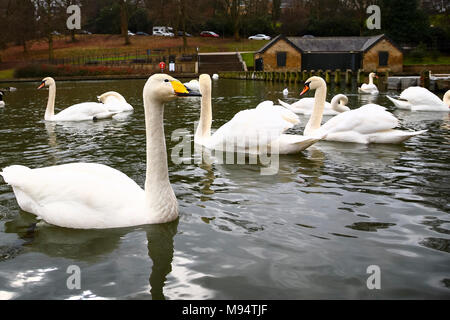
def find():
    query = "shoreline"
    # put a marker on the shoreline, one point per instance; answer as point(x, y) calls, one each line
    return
point(99, 78)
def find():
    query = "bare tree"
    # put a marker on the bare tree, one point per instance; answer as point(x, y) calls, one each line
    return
point(124, 21)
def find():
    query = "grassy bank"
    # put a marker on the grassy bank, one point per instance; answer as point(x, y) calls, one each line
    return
point(427, 60)
point(7, 74)
point(104, 45)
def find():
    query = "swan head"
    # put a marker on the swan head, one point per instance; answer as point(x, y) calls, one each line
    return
point(165, 88)
point(47, 82)
point(313, 83)
point(373, 75)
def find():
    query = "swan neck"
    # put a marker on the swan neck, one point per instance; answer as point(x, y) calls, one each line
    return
point(50, 112)
point(447, 98)
point(204, 126)
point(315, 120)
point(157, 174)
point(371, 79)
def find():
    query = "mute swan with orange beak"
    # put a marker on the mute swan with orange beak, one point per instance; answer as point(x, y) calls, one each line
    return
point(369, 124)
point(371, 87)
point(251, 131)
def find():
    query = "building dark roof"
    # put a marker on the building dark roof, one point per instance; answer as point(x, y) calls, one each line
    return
point(328, 44)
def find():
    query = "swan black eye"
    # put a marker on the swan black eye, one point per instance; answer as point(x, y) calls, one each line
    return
point(167, 80)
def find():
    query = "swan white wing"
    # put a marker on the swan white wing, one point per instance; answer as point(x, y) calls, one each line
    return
point(193, 85)
point(83, 111)
point(116, 105)
point(419, 96)
point(268, 108)
point(306, 106)
point(78, 195)
point(368, 88)
point(368, 119)
point(253, 128)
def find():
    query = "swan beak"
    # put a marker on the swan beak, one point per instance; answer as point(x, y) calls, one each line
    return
point(305, 90)
point(181, 90)
point(42, 85)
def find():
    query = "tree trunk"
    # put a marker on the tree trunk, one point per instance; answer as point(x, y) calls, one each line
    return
point(50, 46)
point(183, 23)
point(276, 10)
point(124, 21)
point(235, 16)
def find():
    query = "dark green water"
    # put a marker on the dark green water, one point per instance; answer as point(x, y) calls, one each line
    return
point(311, 231)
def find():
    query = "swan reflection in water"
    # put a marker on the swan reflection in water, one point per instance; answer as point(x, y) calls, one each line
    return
point(93, 247)
point(312, 163)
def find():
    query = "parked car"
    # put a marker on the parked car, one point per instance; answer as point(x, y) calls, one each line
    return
point(260, 37)
point(163, 34)
point(140, 33)
point(180, 34)
point(209, 34)
point(163, 31)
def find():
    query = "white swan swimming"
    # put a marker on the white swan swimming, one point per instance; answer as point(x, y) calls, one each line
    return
point(285, 92)
point(421, 99)
point(371, 87)
point(2, 103)
point(79, 112)
point(215, 76)
point(95, 196)
point(251, 131)
point(306, 106)
point(115, 102)
point(192, 85)
point(369, 124)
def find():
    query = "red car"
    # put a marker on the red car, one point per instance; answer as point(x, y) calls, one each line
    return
point(209, 34)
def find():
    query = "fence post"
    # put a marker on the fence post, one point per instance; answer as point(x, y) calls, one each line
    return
point(327, 76)
point(337, 77)
point(348, 77)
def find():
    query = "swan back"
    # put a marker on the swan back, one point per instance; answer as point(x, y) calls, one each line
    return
point(370, 118)
point(418, 96)
point(111, 97)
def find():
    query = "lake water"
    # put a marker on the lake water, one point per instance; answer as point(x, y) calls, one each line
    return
point(309, 232)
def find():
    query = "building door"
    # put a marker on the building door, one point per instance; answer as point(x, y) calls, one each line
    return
point(281, 59)
point(259, 64)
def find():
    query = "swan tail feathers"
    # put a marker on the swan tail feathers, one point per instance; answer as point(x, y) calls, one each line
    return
point(399, 104)
point(394, 136)
point(284, 104)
